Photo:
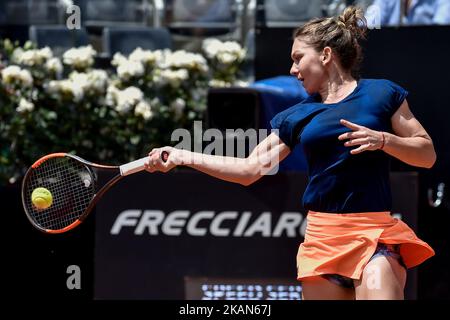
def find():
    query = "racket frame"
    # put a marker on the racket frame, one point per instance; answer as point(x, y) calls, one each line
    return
point(92, 202)
point(123, 170)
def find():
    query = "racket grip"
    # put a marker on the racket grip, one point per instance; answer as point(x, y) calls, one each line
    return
point(139, 165)
point(133, 167)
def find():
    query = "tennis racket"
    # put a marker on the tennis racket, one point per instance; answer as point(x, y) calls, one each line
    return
point(72, 182)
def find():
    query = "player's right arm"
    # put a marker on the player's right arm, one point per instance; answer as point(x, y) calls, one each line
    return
point(266, 155)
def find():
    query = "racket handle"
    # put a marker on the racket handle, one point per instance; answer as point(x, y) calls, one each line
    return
point(139, 165)
point(133, 167)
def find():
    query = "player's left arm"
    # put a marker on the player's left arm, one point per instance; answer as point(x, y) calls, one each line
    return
point(410, 142)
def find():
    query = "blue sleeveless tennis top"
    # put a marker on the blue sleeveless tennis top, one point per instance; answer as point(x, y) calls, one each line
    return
point(339, 182)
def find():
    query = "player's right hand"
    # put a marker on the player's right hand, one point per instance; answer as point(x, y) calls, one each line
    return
point(156, 163)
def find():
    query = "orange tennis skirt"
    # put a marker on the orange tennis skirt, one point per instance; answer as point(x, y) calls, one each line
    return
point(344, 243)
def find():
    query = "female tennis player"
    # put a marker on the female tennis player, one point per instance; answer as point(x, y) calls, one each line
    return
point(348, 128)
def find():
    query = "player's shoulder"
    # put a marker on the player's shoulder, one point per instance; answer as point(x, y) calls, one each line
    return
point(379, 83)
point(306, 106)
point(297, 114)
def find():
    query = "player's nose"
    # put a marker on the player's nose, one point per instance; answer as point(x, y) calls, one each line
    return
point(294, 70)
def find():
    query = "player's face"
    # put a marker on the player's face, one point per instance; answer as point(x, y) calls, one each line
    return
point(307, 66)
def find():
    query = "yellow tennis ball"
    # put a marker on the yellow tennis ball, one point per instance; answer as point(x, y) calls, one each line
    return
point(41, 198)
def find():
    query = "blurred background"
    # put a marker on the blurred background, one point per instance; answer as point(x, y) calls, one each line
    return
point(109, 80)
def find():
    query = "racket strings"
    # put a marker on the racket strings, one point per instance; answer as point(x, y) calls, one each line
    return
point(72, 186)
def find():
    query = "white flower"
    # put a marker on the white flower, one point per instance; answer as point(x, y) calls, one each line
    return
point(80, 58)
point(16, 55)
point(226, 52)
point(130, 95)
point(111, 95)
point(14, 73)
point(211, 47)
point(234, 48)
point(118, 59)
point(161, 57)
point(34, 57)
point(123, 100)
point(226, 57)
point(66, 87)
point(178, 106)
point(81, 79)
point(80, 84)
point(146, 57)
point(24, 106)
point(144, 110)
point(94, 81)
point(187, 60)
point(55, 66)
point(172, 77)
point(75, 89)
point(129, 69)
point(98, 79)
point(134, 65)
point(217, 83)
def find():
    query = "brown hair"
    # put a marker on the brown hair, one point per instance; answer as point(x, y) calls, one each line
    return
point(341, 34)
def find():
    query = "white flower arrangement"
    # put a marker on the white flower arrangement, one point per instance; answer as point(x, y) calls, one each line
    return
point(25, 106)
point(161, 58)
point(118, 59)
point(174, 78)
point(146, 57)
point(129, 69)
point(225, 59)
point(119, 115)
point(79, 85)
point(80, 58)
point(144, 110)
point(67, 88)
point(14, 74)
point(186, 60)
point(54, 65)
point(34, 57)
point(125, 100)
point(98, 80)
point(93, 82)
point(226, 52)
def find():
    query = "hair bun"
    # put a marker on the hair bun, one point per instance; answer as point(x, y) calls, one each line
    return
point(353, 19)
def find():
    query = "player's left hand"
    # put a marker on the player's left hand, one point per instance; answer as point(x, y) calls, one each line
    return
point(367, 139)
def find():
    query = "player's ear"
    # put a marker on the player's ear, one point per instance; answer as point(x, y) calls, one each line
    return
point(325, 56)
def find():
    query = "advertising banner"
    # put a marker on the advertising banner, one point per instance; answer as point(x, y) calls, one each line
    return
point(185, 235)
